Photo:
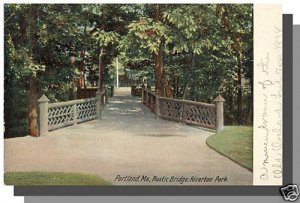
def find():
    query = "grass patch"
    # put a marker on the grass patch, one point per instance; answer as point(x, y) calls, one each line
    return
point(236, 143)
point(52, 178)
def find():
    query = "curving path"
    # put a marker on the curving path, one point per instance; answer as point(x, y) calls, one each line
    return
point(128, 141)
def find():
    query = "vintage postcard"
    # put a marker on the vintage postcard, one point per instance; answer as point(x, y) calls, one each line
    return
point(143, 94)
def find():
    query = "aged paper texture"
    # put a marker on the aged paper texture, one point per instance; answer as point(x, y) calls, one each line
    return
point(267, 152)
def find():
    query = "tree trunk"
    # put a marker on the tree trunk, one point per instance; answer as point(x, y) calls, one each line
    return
point(33, 90)
point(100, 77)
point(237, 46)
point(158, 66)
point(249, 119)
point(230, 115)
point(82, 55)
point(100, 81)
point(158, 58)
point(33, 113)
point(162, 86)
point(239, 96)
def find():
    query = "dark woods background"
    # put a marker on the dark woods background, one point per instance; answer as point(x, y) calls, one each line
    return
point(192, 52)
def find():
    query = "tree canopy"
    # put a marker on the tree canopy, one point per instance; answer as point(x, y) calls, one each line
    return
point(193, 51)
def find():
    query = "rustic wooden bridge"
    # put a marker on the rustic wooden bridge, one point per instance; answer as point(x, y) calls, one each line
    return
point(57, 115)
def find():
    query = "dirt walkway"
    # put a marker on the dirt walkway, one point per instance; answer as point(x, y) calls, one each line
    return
point(128, 141)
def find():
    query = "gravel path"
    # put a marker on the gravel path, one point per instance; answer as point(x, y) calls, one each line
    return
point(128, 141)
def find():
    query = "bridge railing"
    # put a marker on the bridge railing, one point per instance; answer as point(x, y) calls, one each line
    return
point(89, 92)
point(185, 111)
point(136, 91)
point(151, 101)
point(61, 114)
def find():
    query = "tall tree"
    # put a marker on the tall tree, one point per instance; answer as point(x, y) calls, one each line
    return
point(151, 35)
point(33, 91)
point(237, 23)
point(190, 51)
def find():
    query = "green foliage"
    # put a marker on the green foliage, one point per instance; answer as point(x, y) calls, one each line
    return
point(105, 38)
point(200, 43)
point(204, 53)
point(189, 25)
point(149, 34)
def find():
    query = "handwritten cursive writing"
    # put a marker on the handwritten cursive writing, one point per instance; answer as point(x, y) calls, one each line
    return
point(264, 63)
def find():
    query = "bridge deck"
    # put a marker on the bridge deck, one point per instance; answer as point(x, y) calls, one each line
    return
point(128, 140)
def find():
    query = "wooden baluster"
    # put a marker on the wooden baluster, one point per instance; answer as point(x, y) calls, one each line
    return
point(98, 104)
point(143, 96)
point(183, 113)
point(74, 113)
point(157, 113)
point(147, 95)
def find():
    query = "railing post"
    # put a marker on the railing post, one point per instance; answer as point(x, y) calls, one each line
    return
point(74, 114)
point(143, 95)
point(219, 101)
point(183, 114)
point(147, 95)
point(43, 116)
point(157, 106)
point(98, 104)
point(106, 97)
